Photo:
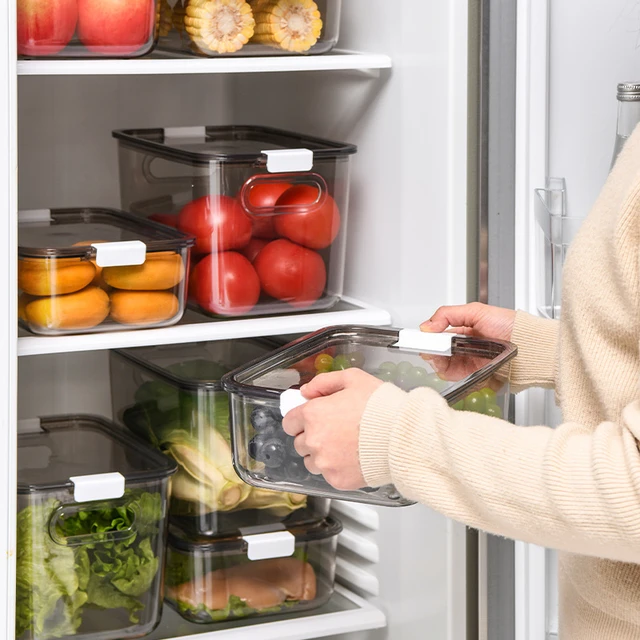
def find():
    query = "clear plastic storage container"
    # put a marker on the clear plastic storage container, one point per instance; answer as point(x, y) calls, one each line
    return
point(173, 398)
point(464, 370)
point(91, 531)
point(256, 574)
point(88, 270)
point(87, 28)
point(268, 209)
point(215, 28)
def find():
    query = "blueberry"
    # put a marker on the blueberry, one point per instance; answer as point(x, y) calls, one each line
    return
point(263, 418)
point(272, 453)
point(255, 446)
point(295, 471)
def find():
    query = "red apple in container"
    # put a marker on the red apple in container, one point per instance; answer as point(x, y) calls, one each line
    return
point(45, 27)
point(116, 27)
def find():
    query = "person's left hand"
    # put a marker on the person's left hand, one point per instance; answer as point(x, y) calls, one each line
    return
point(327, 428)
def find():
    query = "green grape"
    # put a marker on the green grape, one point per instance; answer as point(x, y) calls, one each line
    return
point(437, 383)
point(475, 402)
point(356, 359)
point(418, 377)
point(340, 363)
point(323, 363)
point(489, 394)
point(403, 368)
point(388, 366)
point(459, 406)
point(385, 375)
point(494, 410)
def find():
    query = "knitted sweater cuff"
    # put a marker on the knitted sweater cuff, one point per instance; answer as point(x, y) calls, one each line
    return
point(537, 340)
point(380, 415)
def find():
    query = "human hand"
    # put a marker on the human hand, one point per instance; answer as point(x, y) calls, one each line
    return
point(327, 427)
point(473, 319)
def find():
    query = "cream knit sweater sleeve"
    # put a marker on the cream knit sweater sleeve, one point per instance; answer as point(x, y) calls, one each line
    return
point(568, 488)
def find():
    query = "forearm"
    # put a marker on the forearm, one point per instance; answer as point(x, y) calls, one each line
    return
point(570, 488)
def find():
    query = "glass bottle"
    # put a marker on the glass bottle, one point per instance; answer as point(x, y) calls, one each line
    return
point(628, 115)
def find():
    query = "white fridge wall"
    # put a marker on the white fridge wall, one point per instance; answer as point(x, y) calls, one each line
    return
point(567, 113)
point(407, 223)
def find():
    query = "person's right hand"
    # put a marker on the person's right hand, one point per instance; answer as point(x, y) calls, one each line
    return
point(474, 319)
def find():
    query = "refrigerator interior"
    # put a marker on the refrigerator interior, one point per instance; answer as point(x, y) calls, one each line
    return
point(407, 251)
point(570, 63)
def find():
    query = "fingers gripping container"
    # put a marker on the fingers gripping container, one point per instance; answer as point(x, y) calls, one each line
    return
point(94, 270)
point(91, 530)
point(223, 28)
point(258, 573)
point(467, 372)
point(171, 396)
point(87, 28)
point(268, 209)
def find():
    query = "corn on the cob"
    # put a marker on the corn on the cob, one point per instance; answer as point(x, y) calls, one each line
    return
point(292, 25)
point(163, 18)
point(223, 26)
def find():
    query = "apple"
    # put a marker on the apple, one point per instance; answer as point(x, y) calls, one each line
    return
point(45, 27)
point(116, 27)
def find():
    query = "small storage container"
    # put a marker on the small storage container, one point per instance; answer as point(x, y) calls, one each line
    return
point(91, 270)
point(253, 575)
point(465, 371)
point(91, 531)
point(172, 397)
point(213, 28)
point(268, 209)
point(87, 28)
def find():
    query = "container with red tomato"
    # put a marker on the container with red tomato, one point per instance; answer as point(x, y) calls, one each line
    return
point(86, 28)
point(268, 209)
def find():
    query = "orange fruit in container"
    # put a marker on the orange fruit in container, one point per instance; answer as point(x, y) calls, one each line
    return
point(54, 276)
point(160, 271)
point(143, 308)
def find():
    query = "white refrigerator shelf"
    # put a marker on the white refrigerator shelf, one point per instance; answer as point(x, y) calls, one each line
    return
point(197, 328)
point(344, 613)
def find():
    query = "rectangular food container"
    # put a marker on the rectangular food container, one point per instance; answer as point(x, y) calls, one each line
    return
point(87, 28)
point(465, 371)
point(268, 209)
point(252, 575)
point(214, 28)
point(172, 397)
point(91, 531)
point(92, 270)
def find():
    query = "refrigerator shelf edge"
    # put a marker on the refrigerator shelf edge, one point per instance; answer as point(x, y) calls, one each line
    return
point(344, 613)
point(159, 65)
point(193, 329)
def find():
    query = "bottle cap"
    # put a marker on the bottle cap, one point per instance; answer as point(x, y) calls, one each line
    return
point(629, 92)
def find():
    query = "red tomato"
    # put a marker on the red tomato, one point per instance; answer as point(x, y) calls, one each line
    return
point(291, 273)
point(217, 222)
point(264, 195)
point(311, 226)
point(168, 219)
point(254, 247)
point(225, 283)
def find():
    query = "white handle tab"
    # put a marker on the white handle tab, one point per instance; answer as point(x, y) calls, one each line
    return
point(277, 543)
point(34, 215)
point(289, 400)
point(120, 254)
point(100, 486)
point(416, 340)
point(289, 160)
point(185, 133)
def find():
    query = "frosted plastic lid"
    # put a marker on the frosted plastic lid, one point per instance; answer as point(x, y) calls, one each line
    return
point(199, 365)
point(57, 232)
point(323, 530)
point(451, 372)
point(231, 144)
point(80, 445)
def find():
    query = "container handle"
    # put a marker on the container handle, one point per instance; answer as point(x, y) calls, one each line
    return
point(288, 160)
point(314, 180)
point(99, 486)
point(261, 545)
point(416, 340)
point(120, 254)
point(291, 399)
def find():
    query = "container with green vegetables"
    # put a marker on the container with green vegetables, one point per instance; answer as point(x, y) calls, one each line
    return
point(91, 530)
point(171, 396)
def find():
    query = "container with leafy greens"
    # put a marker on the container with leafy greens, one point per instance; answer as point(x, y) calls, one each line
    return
point(216, 580)
point(91, 531)
point(171, 396)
